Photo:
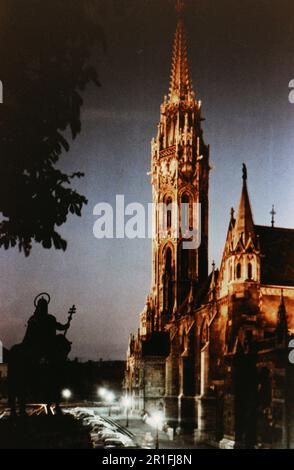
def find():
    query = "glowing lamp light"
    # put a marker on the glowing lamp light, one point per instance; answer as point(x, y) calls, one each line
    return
point(102, 392)
point(157, 419)
point(66, 393)
point(126, 401)
point(109, 397)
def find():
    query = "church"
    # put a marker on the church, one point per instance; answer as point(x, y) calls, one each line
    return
point(211, 350)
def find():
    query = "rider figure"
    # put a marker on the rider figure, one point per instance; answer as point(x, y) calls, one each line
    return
point(41, 330)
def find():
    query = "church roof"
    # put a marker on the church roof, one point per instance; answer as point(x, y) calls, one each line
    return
point(277, 255)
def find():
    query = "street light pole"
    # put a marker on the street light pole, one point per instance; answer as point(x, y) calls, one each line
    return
point(157, 420)
point(157, 438)
point(109, 398)
point(126, 403)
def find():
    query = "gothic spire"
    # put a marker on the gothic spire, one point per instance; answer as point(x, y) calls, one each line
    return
point(180, 84)
point(212, 287)
point(244, 223)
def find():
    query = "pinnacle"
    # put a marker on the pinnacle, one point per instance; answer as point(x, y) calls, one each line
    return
point(244, 223)
point(180, 84)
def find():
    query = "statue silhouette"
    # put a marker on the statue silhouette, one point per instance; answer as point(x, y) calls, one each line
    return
point(35, 366)
point(40, 337)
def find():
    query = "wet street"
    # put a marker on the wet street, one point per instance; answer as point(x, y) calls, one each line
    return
point(105, 428)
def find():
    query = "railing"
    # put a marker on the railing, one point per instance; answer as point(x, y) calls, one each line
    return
point(167, 152)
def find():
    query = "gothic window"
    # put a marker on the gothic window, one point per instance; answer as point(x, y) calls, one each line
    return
point(249, 271)
point(185, 278)
point(168, 212)
point(238, 271)
point(186, 212)
point(168, 282)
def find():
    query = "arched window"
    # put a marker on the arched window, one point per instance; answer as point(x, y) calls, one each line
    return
point(185, 212)
point(168, 211)
point(168, 282)
point(238, 271)
point(249, 271)
point(185, 281)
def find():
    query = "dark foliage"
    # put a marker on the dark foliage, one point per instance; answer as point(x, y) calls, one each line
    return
point(45, 57)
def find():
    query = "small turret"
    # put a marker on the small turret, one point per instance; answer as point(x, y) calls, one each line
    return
point(244, 227)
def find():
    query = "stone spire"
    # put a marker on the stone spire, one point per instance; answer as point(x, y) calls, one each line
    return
point(244, 226)
point(212, 286)
point(180, 84)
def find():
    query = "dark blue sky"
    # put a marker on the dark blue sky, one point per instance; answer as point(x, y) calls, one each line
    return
point(241, 54)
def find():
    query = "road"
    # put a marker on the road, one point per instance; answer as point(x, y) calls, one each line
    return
point(145, 435)
point(142, 433)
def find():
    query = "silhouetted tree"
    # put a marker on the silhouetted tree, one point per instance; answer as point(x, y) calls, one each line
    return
point(45, 64)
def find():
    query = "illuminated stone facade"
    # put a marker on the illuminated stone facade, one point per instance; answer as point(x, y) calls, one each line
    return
point(212, 349)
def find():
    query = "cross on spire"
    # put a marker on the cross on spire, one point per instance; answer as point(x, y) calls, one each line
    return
point(273, 213)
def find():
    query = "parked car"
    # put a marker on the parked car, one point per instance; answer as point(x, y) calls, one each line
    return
point(106, 435)
point(109, 443)
point(98, 445)
point(98, 427)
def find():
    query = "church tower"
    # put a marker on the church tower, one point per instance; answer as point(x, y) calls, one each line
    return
point(179, 178)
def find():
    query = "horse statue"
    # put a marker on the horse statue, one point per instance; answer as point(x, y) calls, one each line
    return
point(35, 366)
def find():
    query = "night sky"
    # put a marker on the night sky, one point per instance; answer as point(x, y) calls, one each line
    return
point(241, 55)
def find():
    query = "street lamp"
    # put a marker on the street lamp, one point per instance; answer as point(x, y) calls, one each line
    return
point(109, 397)
point(157, 420)
point(126, 403)
point(66, 393)
point(102, 392)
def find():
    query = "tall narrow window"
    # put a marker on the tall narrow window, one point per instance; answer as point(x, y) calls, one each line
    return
point(185, 280)
point(168, 282)
point(168, 209)
point(185, 212)
point(238, 271)
point(249, 273)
